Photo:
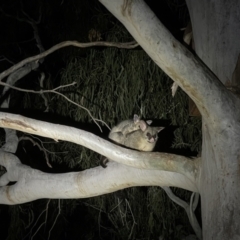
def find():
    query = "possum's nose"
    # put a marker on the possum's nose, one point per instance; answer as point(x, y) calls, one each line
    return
point(151, 140)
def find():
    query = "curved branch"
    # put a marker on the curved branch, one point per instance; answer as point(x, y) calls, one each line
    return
point(128, 45)
point(95, 120)
point(211, 97)
point(31, 183)
point(142, 160)
point(188, 208)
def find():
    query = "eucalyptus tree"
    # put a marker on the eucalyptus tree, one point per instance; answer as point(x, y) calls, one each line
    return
point(211, 80)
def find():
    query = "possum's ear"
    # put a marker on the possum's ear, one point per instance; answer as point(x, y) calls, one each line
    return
point(136, 118)
point(142, 125)
point(149, 122)
point(159, 129)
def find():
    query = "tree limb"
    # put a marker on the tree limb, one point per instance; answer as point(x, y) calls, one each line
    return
point(210, 95)
point(188, 208)
point(35, 58)
point(31, 183)
point(143, 160)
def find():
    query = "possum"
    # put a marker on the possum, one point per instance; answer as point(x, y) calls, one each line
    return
point(119, 132)
point(143, 139)
point(135, 134)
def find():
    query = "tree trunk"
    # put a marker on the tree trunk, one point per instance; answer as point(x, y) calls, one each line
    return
point(216, 28)
point(216, 32)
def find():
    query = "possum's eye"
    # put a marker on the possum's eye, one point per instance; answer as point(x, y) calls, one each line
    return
point(149, 135)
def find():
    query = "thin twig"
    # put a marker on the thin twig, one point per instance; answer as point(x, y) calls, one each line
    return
point(59, 211)
point(62, 95)
point(39, 147)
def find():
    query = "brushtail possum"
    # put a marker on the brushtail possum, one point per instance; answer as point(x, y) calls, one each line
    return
point(118, 133)
point(143, 139)
point(135, 134)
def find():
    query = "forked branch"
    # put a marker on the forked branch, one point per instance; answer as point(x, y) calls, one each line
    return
point(143, 160)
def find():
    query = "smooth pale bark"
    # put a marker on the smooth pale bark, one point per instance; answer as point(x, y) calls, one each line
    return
point(219, 180)
point(216, 31)
point(220, 109)
point(144, 160)
point(32, 184)
point(211, 97)
point(189, 208)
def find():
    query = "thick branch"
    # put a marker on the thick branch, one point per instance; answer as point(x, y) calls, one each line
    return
point(210, 95)
point(31, 183)
point(143, 160)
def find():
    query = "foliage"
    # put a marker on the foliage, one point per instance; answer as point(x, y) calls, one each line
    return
point(112, 84)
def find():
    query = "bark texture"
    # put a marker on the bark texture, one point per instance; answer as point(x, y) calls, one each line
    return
point(216, 28)
point(216, 31)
